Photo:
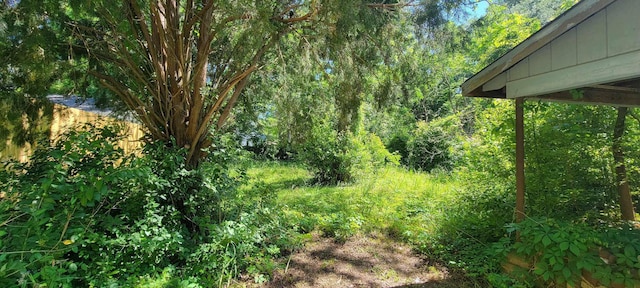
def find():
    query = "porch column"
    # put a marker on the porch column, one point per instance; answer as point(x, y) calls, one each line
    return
point(520, 189)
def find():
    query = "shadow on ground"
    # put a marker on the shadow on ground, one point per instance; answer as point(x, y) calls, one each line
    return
point(363, 261)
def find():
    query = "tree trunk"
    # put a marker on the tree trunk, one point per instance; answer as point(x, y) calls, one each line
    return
point(175, 66)
point(626, 204)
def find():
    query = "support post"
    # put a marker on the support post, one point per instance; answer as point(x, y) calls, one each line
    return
point(520, 188)
point(626, 203)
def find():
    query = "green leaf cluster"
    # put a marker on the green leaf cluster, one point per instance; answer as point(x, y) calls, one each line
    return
point(561, 252)
point(81, 213)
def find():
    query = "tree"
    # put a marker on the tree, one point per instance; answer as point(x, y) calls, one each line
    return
point(182, 65)
point(543, 10)
point(622, 182)
point(26, 72)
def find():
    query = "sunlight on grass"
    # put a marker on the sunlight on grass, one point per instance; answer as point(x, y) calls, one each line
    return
point(392, 200)
point(278, 175)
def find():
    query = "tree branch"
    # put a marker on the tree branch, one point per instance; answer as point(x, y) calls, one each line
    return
point(305, 17)
point(392, 6)
point(202, 128)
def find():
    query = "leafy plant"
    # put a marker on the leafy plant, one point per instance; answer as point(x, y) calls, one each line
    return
point(560, 251)
point(337, 157)
point(81, 213)
point(398, 144)
point(250, 243)
point(53, 203)
point(431, 144)
point(340, 226)
point(327, 155)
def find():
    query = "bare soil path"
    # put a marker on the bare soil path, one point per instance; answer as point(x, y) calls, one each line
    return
point(362, 261)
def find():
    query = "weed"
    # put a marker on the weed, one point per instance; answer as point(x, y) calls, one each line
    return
point(81, 214)
point(560, 252)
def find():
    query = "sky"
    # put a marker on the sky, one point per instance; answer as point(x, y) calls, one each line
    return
point(472, 12)
point(479, 11)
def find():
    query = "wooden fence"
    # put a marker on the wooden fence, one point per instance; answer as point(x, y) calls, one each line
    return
point(65, 118)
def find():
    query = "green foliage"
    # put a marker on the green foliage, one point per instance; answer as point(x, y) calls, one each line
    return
point(560, 251)
point(570, 161)
point(80, 213)
point(398, 144)
point(489, 155)
point(432, 145)
point(166, 279)
point(497, 32)
point(340, 226)
point(392, 200)
point(53, 204)
point(337, 157)
point(470, 220)
point(327, 156)
point(370, 154)
point(253, 231)
point(250, 243)
point(568, 152)
point(568, 176)
point(544, 11)
point(28, 46)
point(483, 202)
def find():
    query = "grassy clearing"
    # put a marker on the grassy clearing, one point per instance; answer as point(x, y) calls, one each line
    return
point(392, 200)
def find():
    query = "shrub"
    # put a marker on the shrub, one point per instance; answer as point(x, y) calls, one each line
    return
point(398, 144)
point(61, 204)
point(336, 157)
point(432, 144)
point(560, 251)
point(473, 219)
point(81, 213)
point(369, 154)
point(250, 243)
point(326, 153)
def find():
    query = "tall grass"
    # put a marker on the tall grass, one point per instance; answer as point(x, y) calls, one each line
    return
point(391, 200)
point(433, 212)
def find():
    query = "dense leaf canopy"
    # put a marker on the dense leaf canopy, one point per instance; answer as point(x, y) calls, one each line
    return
point(181, 66)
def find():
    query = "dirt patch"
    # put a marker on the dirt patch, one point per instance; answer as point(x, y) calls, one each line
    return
point(362, 261)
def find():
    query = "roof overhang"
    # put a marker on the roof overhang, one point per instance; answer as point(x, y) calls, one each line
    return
point(528, 71)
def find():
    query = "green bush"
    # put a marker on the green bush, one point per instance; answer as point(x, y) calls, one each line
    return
point(472, 219)
point(60, 205)
point(249, 244)
point(560, 251)
point(336, 157)
point(81, 213)
point(398, 144)
point(252, 232)
point(327, 156)
point(432, 144)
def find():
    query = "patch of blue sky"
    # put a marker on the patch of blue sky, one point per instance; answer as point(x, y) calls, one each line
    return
point(470, 12)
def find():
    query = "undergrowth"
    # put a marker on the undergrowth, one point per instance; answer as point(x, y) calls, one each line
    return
point(80, 213)
point(560, 252)
point(414, 207)
point(464, 225)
